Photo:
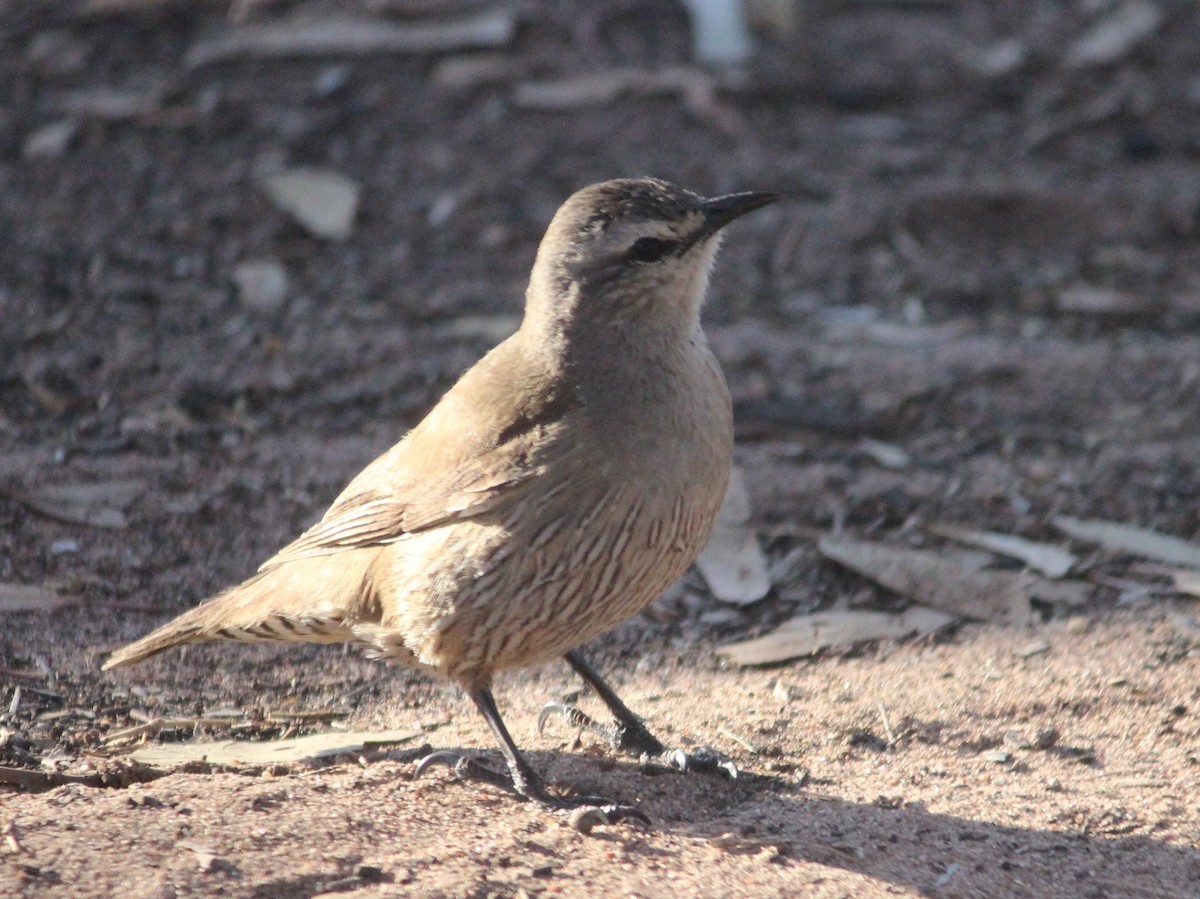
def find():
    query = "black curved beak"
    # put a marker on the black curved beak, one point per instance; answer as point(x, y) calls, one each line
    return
point(720, 211)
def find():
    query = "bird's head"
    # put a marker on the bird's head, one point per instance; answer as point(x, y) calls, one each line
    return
point(630, 253)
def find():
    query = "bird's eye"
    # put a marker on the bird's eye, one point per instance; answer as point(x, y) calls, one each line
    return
point(649, 249)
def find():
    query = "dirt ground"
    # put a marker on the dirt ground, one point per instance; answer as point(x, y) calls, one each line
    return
point(987, 260)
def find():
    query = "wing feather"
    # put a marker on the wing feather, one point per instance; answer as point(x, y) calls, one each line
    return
point(474, 453)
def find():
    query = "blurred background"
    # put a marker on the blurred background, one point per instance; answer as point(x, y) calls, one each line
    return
point(245, 245)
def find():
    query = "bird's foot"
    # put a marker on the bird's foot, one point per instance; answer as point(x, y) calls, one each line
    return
point(635, 739)
point(703, 759)
point(466, 768)
point(586, 812)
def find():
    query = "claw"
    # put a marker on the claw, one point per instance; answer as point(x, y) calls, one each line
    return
point(466, 768)
point(677, 758)
point(442, 757)
point(588, 818)
point(549, 709)
point(573, 716)
point(704, 759)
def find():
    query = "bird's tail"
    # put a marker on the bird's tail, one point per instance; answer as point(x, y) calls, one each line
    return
point(314, 600)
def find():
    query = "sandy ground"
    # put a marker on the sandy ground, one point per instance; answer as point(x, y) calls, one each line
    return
point(959, 768)
point(987, 261)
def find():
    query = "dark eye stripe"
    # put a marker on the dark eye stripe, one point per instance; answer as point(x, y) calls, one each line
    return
point(650, 249)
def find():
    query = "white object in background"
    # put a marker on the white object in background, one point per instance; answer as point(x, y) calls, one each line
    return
point(719, 31)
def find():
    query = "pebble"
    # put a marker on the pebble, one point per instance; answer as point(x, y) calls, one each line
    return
point(262, 284)
point(51, 140)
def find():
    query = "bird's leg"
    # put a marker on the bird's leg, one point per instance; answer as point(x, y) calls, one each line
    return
point(629, 733)
point(521, 778)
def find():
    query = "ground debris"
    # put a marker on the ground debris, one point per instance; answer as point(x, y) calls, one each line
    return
point(140, 732)
point(809, 634)
point(932, 580)
point(32, 598)
point(732, 561)
point(206, 858)
point(247, 753)
point(352, 36)
point(51, 140)
point(100, 505)
point(1115, 35)
point(1052, 561)
point(1187, 582)
point(114, 775)
point(1126, 538)
point(111, 103)
point(322, 201)
point(695, 87)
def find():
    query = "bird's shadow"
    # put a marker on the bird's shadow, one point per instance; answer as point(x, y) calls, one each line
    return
point(1094, 854)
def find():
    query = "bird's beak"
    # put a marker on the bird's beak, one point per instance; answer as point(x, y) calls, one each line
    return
point(720, 211)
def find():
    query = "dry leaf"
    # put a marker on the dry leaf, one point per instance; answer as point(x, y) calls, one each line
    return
point(255, 754)
point(1051, 561)
point(1066, 593)
point(206, 858)
point(1088, 299)
point(31, 598)
point(719, 33)
point(113, 104)
point(1187, 582)
point(465, 72)
point(102, 8)
point(324, 202)
point(1114, 36)
point(732, 562)
point(51, 140)
point(886, 455)
point(600, 88)
point(807, 634)
point(931, 580)
point(1133, 540)
point(353, 36)
point(96, 505)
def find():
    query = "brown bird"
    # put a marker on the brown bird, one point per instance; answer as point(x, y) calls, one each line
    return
point(559, 487)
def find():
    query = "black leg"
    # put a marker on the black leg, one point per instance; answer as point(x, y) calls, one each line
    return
point(525, 780)
point(629, 734)
point(521, 778)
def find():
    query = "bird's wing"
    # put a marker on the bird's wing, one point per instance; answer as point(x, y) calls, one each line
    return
point(472, 454)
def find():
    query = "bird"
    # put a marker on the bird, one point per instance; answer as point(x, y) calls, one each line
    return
point(560, 486)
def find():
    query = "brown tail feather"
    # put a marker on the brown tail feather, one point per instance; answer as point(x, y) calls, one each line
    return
point(309, 600)
point(152, 644)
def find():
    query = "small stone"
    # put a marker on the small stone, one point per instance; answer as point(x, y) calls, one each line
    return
point(1077, 624)
point(57, 52)
point(786, 692)
point(64, 546)
point(1037, 647)
point(51, 140)
point(997, 756)
point(1018, 740)
point(322, 201)
point(262, 284)
point(1046, 737)
point(331, 81)
point(369, 873)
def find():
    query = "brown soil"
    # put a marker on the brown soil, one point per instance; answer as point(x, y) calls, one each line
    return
point(994, 272)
